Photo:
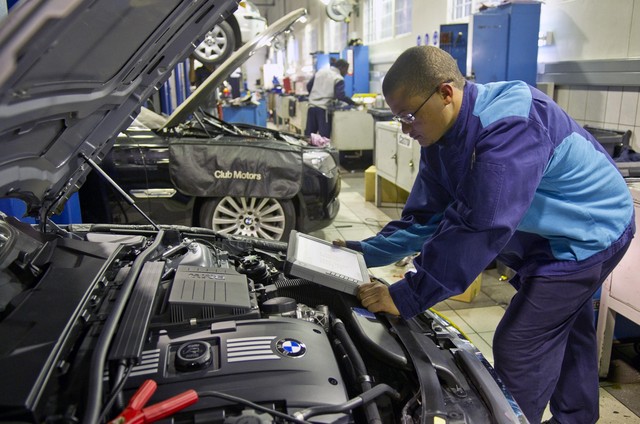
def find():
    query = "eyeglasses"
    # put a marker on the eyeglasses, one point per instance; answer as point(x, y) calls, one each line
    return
point(409, 118)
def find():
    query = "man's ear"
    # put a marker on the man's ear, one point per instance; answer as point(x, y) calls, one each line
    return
point(447, 92)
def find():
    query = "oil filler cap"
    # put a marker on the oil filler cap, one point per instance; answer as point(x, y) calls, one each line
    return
point(194, 355)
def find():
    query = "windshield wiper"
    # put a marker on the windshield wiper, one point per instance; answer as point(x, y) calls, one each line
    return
point(219, 123)
point(204, 127)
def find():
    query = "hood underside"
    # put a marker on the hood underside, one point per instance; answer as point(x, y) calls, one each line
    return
point(74, 74)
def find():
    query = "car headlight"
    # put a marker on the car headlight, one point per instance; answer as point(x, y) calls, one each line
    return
point(322, 161)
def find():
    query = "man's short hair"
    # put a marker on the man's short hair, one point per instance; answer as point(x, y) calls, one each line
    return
point(419, 70)
point(341, 64)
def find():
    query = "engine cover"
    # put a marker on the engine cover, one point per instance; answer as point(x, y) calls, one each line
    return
point(279, 361)
point(208, 293)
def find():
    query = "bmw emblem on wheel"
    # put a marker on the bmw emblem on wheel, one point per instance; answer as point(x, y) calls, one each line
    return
point(291, 348)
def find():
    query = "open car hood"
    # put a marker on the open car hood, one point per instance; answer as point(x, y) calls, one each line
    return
point(202, 94)
point(74, 74)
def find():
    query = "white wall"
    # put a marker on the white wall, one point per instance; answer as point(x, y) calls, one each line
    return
point(582, 30)
point(316, 19)
point(595, 30)
point(590, 29)
point(428, 15)
point(315, 10)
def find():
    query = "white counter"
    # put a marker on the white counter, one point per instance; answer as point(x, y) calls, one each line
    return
point(620, 292)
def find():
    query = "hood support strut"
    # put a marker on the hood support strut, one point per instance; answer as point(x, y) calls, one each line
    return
point(119, 189)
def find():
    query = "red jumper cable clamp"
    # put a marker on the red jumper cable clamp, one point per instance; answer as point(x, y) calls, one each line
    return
point(136, 413)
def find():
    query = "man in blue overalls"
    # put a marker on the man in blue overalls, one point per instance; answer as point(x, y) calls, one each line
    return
point(505, 173)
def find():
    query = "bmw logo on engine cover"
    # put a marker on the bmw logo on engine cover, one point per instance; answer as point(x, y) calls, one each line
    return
point(291, 348)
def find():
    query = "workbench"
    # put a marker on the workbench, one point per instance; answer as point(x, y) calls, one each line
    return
point(352, 130)
point(620, 293)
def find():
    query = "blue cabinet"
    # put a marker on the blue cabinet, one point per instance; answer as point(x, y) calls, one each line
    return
point(454, 40)
point(357, 80)
point(69, 215)
point(246, 114)
point(505, 43)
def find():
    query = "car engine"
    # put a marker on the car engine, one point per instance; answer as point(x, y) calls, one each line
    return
point(91, 313)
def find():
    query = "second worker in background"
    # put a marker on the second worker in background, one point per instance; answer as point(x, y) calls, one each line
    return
point(326, 86)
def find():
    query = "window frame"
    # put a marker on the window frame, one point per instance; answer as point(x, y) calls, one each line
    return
point(377, 12)
point(470, 7)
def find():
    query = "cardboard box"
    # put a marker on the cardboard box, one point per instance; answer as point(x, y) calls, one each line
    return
point(471, 291)
point(389, 192)
point(370, 184)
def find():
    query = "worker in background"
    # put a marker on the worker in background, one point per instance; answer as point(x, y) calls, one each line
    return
point(505, 174)
point(326, 86)
point(198, 71)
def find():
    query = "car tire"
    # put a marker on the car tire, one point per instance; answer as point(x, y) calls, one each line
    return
point(217, 46)
point(265, 218)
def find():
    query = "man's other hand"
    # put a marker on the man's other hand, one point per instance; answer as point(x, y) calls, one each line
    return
point(340, 243)
point(376, 298)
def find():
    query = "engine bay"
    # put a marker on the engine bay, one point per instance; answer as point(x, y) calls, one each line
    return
point(92, 312)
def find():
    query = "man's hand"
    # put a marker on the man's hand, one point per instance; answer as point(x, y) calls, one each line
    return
point(376, 298)
point(339, 242)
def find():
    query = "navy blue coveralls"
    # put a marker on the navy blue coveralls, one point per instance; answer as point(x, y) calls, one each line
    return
point(517, 179)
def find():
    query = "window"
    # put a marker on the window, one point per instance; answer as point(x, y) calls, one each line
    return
point(335, 36)
point(384, 19)
point(403, 17)
point(292, 54)
point(460, 10)
point(309, 45)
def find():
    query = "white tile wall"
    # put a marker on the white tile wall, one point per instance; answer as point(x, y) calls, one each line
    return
point(578, 103)
point(596, 105)
point(562, 97)
point(629, 106)
point(614, 108)
point(614, 101)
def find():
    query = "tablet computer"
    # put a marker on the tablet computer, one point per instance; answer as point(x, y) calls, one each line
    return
point(323, 263)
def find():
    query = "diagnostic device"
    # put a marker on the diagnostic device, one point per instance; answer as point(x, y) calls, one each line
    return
point(323, 263)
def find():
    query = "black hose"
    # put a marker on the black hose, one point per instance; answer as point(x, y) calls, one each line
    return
point(364, 398)
point(371, 409)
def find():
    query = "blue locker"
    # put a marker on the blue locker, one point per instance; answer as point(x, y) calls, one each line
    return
point(454, 39)
point(357, 81)
point(505, 43)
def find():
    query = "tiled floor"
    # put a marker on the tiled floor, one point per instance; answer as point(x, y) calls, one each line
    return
point(619, 394)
